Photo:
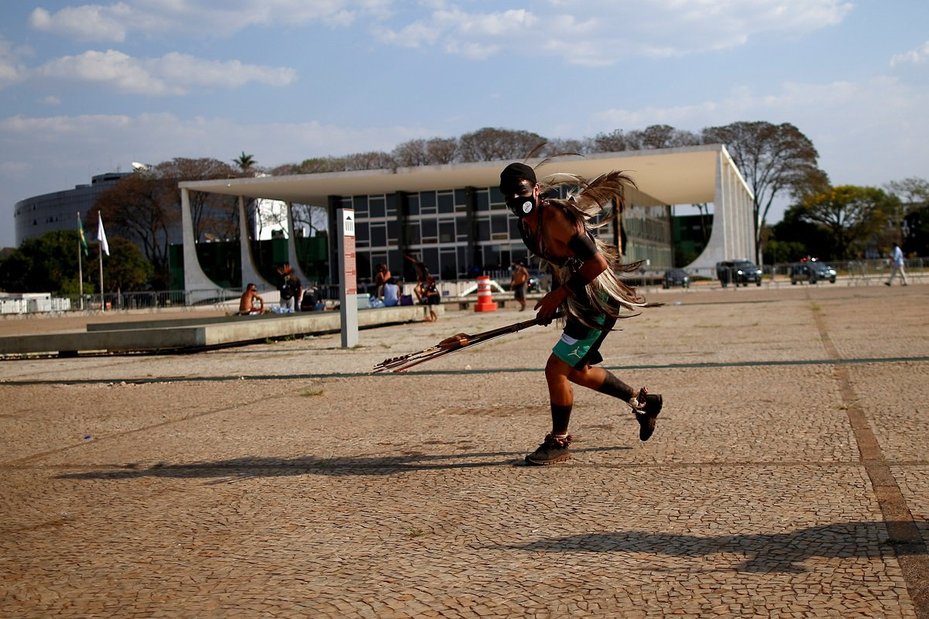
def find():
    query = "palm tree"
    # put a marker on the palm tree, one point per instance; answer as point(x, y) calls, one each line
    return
point(245, 162)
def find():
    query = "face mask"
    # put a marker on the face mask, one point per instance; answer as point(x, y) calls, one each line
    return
point(522, 206)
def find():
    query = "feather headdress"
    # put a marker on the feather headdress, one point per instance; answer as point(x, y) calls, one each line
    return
point(602, 196)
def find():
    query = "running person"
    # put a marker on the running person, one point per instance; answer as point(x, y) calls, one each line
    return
point(587, 290)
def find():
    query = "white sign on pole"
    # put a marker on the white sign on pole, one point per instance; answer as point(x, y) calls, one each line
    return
point(348, 293)
point(348, 222)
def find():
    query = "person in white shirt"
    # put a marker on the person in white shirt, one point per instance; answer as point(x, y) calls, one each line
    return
point(898, 266)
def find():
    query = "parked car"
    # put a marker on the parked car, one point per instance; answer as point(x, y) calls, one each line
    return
point(676, 277)
point(811, 272)
point(742, 272)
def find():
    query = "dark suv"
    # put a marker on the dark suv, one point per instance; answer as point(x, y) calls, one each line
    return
point(737, 272)
point(811, 272)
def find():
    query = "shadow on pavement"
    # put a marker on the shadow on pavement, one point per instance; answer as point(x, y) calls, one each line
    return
point(764, 552)
point(247, 467)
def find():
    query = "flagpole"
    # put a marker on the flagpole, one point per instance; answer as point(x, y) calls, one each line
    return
point(102, 300)
point(104, 248)
point(80, 265)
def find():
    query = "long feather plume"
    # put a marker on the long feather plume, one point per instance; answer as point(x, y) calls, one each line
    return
point(602, 196)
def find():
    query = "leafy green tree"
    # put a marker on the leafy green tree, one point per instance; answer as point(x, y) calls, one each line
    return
point(246, 163)
point(45, 264)
point(854, 217)
point(794, 238)
point(125, 269)
point(913, 217)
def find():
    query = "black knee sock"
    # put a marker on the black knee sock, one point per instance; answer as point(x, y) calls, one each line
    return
point(612, 386)
point(561, 415)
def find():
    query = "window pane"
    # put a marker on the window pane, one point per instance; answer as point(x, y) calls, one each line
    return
point(377, 207)
point(499, 224)
point(483, 201)
point(393, 231)
point(446, 203)
point(446, 232)
point(430, 230)
point(427, 202)
point(378, 235)
point(483, 229)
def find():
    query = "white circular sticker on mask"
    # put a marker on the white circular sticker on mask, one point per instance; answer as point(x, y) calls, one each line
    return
point(527, 206)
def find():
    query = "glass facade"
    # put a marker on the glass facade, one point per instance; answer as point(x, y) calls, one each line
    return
point(461, 233)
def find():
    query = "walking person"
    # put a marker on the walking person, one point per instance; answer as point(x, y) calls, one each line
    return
point(898, 262)
point(518, 282)
point(586, 289)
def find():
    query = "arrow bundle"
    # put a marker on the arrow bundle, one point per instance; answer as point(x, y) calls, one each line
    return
point(451, 344)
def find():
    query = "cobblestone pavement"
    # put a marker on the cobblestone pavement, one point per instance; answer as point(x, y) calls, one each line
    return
point(788, 477)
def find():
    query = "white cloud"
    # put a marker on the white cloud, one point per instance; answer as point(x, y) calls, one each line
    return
point(171, 74)
point(604, 32)
point(90, 22)
point(916, 56)
point(11, 69)
point(582, 32)
point(114, 22)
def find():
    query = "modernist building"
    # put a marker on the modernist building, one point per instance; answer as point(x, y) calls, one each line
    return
point(453, 217)
point(38, 215)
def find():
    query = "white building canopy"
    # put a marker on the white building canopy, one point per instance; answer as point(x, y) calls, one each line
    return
point(687, 175)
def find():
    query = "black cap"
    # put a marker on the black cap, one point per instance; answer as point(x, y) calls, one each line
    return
point(513, 173)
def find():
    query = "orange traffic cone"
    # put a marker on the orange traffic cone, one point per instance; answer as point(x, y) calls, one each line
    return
point(484, 301)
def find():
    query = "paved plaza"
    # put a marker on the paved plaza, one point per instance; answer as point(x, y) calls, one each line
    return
point(788, 476)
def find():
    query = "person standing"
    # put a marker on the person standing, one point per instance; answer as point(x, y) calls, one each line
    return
point(381, 275)
point(587, 290)
point(898, 262)
point(518, 283)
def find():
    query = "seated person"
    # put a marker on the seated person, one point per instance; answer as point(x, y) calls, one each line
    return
point(391, 293)
point(308, 302)
point(251, 302)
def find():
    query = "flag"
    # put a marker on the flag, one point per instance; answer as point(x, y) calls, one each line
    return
point(101, 235)
point(80, 230)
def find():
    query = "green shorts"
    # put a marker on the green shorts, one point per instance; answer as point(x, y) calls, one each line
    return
point(580, 345)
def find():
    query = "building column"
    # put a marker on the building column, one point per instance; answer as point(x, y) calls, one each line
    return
point(249, 270)
point(197, 285)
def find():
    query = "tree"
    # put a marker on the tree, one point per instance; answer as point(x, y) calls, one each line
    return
point(142, 208)
point(411, 154)
point(664, 136)
point(210, 212)
point(45, 264)
point(442, 150)
point(793, 238)
point(772, 158)
point(854, 217)
point(490, 144)
point(612, 142)
point(246, 163)
point(125, 269)
point(912, 220)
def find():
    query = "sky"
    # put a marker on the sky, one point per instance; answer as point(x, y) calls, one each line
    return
point(90, 88)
